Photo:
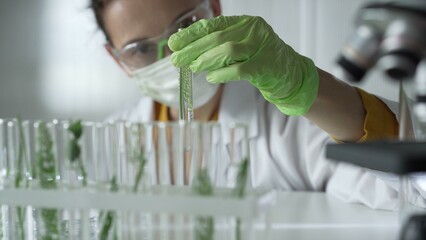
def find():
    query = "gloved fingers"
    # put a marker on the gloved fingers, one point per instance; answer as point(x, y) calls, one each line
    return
point(185, 56)
point(232, 73)
point(191, 52)
point(222, 56)
point(200, 29)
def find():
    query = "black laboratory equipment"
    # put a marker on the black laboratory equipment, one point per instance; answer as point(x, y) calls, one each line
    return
point(391, 37)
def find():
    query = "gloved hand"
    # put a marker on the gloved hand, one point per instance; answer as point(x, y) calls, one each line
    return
point(246, 48)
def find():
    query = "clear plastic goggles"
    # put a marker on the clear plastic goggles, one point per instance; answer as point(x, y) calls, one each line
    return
point(142, 53)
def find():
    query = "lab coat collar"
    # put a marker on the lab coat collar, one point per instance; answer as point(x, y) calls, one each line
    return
point(239, 105)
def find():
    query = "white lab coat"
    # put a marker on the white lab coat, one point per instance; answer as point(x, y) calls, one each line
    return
point(287, 153)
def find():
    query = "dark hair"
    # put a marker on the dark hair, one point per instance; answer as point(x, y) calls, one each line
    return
point(98, 6)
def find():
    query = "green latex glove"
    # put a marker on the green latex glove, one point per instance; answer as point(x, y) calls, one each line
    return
point(246, 48)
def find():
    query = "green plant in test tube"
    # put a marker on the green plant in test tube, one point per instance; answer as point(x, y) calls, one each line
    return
point(204, 226)
point(240, 188)
point(110, 215)
point(185, 93)
point(141, 161)
point(47, 177)
point(76, 129)
point(18, 179)
point(136, 155)
point(242, 176)
point(185, 88)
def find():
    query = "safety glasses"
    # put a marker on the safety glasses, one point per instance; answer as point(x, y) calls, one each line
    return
point(142, 53)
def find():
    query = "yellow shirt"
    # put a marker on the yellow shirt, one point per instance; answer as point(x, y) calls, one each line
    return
point(161, 113)
point(380, 122)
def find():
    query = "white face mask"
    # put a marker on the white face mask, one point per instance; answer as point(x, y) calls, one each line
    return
point(160, 81)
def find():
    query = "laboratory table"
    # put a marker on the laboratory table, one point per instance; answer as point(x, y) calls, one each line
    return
point(308, 215)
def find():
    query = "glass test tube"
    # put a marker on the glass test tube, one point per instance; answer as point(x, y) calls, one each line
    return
point(185, 88)
point(185, 94)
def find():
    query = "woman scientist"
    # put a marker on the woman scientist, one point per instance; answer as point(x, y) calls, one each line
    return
point(247, 74)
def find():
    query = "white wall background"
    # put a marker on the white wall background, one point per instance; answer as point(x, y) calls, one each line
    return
point(52, 63)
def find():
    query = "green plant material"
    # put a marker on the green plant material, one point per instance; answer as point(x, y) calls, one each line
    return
point(21, 153)
point(50, 218)
point(242, 176)
point(142, 162)
point(204, 226)
point(75, 150)
point(76, 130)
point(110, 215)
point(20, 211)
point(46, 159)
point(240, 189)
point(202, 185)
point(238, 230)
point(185, 91)
point(47, 178)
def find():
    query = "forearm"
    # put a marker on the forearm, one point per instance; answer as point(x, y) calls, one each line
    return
point(338, 109)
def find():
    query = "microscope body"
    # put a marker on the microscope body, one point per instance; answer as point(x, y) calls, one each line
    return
point(390, 36)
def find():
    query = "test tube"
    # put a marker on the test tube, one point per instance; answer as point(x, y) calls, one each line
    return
point(185, 94)
point(185, 88)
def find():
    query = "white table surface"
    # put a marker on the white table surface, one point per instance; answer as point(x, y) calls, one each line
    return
point(310, 215)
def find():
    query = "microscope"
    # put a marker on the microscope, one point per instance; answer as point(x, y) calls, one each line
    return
point(391, 37)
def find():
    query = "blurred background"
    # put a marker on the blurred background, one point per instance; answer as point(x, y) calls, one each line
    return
point(53, 64)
